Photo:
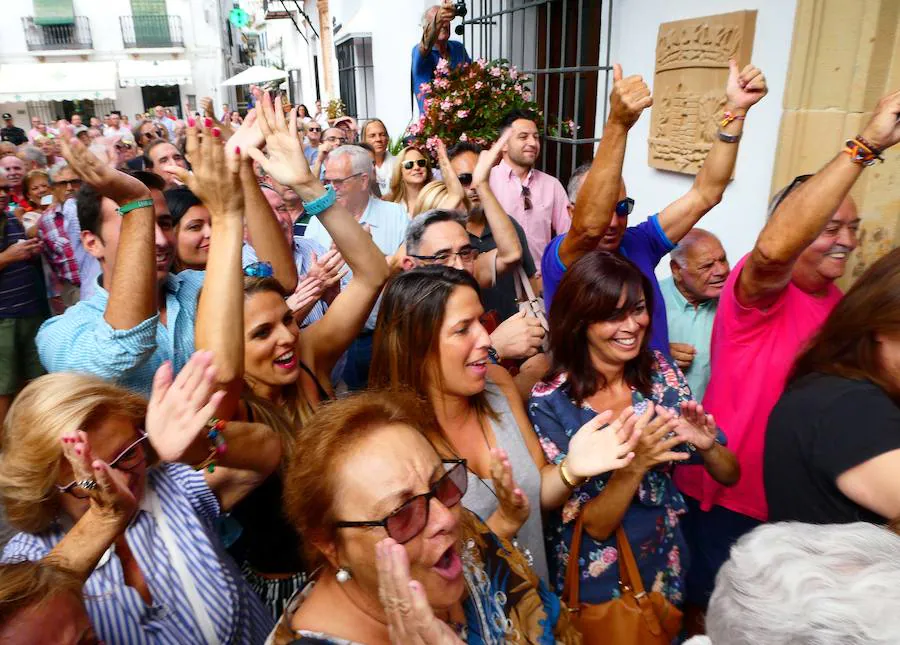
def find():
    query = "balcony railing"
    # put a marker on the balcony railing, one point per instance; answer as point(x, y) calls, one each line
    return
point(151, 31)
point(74, 35)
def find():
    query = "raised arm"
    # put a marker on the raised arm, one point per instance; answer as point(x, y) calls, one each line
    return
point(219, 325)
point(132, 286)
point(430, 32)
point(597, 198)
point(329, 337)
point(509, 251)
point(805, 211)
point(742, 92)
point(268, 240)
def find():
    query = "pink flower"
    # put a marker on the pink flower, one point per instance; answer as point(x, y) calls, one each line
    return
point(609, 555)
point(550, 449)
point(424, 88)
point(457, 102)
point(526, 95)
point(432, 142)
point(570, 510)
point(464, 137)
point(441, 83)
point(462, 114)
point(478, 85)
point(513, 73)
point(442, 67)
point(446, 106)
point(496, 72)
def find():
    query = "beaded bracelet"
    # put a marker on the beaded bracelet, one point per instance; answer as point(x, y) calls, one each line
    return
point(862, 152)
point(219, 445)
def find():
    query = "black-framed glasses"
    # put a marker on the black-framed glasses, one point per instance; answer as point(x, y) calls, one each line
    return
point(410, 518)
point(127, 460)
point(624, 207)
point(337, 183)
point(465, 178)
point(526, 197)
point(68, 183)
point(466, 254)
point(421, 163)
point(150, 135)
point(334, 139)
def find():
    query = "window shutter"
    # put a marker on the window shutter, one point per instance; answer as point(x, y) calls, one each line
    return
point(53, 12)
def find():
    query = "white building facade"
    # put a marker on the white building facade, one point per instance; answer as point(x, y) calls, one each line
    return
point(58, 57)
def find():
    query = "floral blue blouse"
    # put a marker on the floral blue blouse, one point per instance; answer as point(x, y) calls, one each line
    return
point(652, 520)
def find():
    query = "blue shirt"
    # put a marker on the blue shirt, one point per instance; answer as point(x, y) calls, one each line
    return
point(80, 340)
point(645, 245)
point(88, 266)
point(423, 66)
point(120, 615)
point(691, 325)
point(387, 222)
point(21, 283)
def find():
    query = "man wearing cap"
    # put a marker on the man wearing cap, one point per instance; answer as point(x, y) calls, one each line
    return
point(11, 133)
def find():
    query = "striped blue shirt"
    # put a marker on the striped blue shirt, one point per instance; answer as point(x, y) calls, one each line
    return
point(21, 283)
point(80, 340)
point(303, 251)
point(117, 611)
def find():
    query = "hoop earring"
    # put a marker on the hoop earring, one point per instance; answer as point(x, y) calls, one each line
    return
point(342, 575)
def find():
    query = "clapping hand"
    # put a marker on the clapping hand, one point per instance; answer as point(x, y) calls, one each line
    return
point(106, 180)
point(411, 620)
point(179, 409)
point(745, 88)
point(695, 426)
point(305, 297)
point(658, 438)
point(600, 447)
point(629, 98)
point(111, 499)
point(206, 106)
point(329, 268)
point(285, 161)
point(215, 176)
point(514, 507)
point(247, 136)
point(488, 159)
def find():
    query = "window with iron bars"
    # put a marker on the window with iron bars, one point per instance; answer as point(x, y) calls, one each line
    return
point(564, 46)
point(356, 76)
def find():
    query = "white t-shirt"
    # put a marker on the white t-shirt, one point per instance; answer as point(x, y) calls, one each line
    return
point(384, 173)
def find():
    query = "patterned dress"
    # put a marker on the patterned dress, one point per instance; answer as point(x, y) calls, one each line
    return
point(506, 601)
point(651, 521)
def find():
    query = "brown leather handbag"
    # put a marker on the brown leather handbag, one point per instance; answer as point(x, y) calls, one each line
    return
point(635, 618)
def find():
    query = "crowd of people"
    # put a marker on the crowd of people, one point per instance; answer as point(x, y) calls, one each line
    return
point(264, 382)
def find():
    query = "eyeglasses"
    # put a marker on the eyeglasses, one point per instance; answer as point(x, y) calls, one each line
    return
point(411, 517)
point(124, 146)
point(421, 163)
point(624, 207)
point(465, 179)
point(466, 254)
point(314, 130)
point(129, 459)
point(333, 139)
point(340, 182)
point(68, 183)
point(526, 197)
point(259, 270)
point(150, 135)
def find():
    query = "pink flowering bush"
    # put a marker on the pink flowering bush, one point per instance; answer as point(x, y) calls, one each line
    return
point(469, 103)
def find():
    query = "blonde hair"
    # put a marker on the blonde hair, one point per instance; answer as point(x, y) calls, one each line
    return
point(436, 195)
point(25, 585)
point(30, 449)
point(398, 187)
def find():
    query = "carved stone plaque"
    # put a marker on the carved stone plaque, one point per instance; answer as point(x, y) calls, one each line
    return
point(689, 85)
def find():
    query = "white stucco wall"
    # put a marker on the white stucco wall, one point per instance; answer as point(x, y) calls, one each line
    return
point(741, 215)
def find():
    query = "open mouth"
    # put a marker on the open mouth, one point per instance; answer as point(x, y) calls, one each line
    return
point(837, 256)
point(449, 565)
point(286, 361)
point(479, 367)
point(625, 342)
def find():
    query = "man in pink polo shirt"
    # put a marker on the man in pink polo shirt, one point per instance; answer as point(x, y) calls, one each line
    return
point(775, 299)
point(536, 200)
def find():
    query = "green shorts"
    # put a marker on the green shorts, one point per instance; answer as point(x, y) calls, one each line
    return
point(19, 362)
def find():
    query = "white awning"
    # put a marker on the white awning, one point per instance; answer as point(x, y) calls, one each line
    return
point(57, 81)
point(359, 26)
point(256, 75)
point(140, 73)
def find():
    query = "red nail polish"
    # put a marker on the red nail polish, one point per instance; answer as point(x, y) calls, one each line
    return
point(207, 122)
point(216, 132)
point(191, 122)
point(237, 150)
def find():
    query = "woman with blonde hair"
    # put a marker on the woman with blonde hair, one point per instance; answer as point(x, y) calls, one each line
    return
point(165, 580)
point(412, 170)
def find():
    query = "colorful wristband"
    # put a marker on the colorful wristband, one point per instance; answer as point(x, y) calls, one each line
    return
point(861, 152)
point(138, 203)
point(322, 203)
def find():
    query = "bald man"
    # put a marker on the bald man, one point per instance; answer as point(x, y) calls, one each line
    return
point(699, 270)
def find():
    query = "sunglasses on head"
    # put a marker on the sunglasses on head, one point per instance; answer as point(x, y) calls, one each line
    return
point(411, 517)
point(624, 207)
point(421, 163)
point(259, 270)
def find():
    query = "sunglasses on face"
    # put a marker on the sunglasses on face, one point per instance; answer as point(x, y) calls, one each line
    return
point(411, 517)
point(421, 163)
point(129, 459)
point(465, 179)
point(124, 146)
point(624, 207)
point(151, 135)
point(68, 183)
point(313, 129)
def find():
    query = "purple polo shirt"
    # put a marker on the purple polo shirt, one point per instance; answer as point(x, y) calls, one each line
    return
point(645, 245)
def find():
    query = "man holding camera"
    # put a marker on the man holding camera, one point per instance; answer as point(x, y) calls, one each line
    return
point(436, 44)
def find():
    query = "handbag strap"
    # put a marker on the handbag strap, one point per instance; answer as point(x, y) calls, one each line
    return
point(628, 569)
point(571, 592)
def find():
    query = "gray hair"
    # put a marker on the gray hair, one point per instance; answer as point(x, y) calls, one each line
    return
point(420, 223)
point(426, 18)
point(360, 159)
point(679, 253)
point(804, 584)
point(54, 172)
point(34, 154)
point(576, 180)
